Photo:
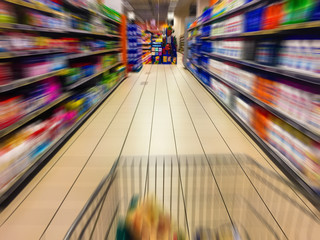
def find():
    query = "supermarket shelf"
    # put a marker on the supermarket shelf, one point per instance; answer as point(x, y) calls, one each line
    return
point(224, 36)
point(80, 55)
point(33, 115)
point(276, 157)
point(270, 69)
point(107, 18)
point(282, 29)
point(35, 7)
point(194, 64)
point(198, 25)
point(26, 53)
point(87, 79)
point(10, 188)
point(236, 10)
point(91, 11)
point(70, 30)
point(26, 81)
point(146, 57)
point(146, 48)
point(299, 126)
point(25, 27)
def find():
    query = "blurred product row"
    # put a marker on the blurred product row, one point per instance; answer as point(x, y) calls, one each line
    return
point(51, 81)
point(261, 60)
point(83, 15)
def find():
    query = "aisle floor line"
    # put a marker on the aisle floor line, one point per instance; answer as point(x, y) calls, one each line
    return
point(60, 223)
point(195, 125)
point(82, 130)
point(221, 199)
point(85, 164)
point(162, 139)
point(137, 141)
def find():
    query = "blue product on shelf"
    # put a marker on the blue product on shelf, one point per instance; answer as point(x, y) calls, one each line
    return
point(253, 20)
point(58, 62)
point(206, 15)
point(316, 11)
point(206, 31)
point(134, 47)
point(266, 52)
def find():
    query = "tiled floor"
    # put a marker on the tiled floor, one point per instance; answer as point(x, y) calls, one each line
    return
point(162, 110)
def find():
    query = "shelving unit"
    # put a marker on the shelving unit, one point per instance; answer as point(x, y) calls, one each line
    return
point(283, 163)
point(105, 55)
point(19, 54)
point(80, 55)
point(87, 79)
point(312, 133)
point(9, 189)
point(198, 62)
point(27, 81)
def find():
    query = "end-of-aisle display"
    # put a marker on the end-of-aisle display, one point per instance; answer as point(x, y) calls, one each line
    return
point(261, 60)
point(134, 48)
point(51, 81)
point(156, 48)
point(146, 47)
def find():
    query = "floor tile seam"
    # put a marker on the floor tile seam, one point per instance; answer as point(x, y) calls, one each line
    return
point(204, 152)
point(87, 124)
point(83, 167)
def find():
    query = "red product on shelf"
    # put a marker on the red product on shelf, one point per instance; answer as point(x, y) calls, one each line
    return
point(265, 90)
point(12, 110)
point(5, 73)
point(72, 45)
point(260, 121)
point(272, 16)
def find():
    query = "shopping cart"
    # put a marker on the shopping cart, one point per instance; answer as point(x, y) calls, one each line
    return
point(203, 195)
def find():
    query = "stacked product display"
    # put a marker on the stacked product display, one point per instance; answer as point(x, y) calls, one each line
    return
point(261, 60)
point(156, 48)
point(134, 48)
point(58, 62)
point(146, 47)
point(181, 44)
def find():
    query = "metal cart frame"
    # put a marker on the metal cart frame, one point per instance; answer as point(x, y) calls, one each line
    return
point(201, 193)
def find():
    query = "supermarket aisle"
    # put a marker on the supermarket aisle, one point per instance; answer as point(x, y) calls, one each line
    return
point(161, 110)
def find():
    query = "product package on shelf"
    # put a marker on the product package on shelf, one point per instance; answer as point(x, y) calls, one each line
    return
point(146, 47)
point(134, 47)
point(156, 50)
point(21, 150)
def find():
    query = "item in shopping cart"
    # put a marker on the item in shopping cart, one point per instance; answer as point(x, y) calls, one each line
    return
point(146, 220)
